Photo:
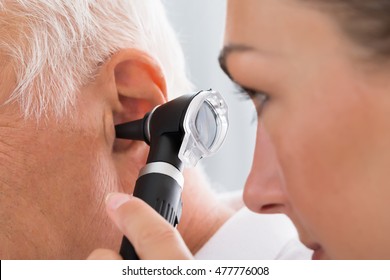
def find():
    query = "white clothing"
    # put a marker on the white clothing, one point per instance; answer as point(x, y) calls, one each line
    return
point(250, 236)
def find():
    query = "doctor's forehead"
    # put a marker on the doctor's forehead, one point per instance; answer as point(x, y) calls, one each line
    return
point(278, 27)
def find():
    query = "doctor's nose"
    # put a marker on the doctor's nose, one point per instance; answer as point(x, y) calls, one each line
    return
point(264, 191)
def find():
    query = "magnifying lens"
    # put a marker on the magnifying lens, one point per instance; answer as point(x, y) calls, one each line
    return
point(180, 133)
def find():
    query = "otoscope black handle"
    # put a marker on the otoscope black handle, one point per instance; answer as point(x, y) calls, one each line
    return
point(163, 194)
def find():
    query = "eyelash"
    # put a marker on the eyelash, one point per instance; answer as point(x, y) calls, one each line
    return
point(259, 98)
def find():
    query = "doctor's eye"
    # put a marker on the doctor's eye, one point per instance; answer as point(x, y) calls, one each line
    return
point(259, 98)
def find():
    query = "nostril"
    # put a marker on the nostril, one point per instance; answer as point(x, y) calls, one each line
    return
point(271, 208)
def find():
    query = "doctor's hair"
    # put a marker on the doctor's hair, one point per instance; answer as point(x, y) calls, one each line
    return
point(55, 47)
point(365, 22)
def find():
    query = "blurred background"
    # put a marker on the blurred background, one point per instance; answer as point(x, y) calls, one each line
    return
point(200, 25)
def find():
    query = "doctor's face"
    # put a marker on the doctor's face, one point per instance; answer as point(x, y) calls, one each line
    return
point(322, 152)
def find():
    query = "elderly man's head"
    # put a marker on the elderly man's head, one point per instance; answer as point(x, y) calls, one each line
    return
point(69, 71)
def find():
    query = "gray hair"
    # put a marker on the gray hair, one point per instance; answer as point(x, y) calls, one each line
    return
point(56, 46)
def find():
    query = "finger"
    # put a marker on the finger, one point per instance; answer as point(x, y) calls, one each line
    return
point(151, 235)
point(104, 254)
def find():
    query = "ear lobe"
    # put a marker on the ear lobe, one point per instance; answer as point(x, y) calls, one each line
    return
point(139, 82)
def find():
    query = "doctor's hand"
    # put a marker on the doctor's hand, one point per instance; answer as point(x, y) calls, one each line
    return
point(153, 238)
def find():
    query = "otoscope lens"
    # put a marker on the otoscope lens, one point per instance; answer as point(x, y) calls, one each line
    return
point(206, 124)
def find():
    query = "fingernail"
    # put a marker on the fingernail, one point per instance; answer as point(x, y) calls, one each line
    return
point(115, 200)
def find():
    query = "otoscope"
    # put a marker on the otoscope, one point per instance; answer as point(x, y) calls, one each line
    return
point(180, 133)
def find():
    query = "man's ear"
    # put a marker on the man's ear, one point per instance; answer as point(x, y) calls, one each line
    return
point(136, 84)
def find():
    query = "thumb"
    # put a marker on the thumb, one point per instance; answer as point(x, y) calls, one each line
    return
point(150, 234)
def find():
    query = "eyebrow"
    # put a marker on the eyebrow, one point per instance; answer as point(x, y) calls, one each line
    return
point(226, 51)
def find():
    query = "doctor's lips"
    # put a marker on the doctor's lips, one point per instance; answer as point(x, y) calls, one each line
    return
point(318, 252)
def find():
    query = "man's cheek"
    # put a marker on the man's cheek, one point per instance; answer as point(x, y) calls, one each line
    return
point(104, 174)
